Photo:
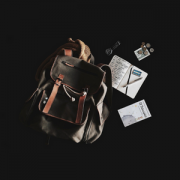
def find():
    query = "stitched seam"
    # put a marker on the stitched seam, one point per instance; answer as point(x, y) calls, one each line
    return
point(72, 87)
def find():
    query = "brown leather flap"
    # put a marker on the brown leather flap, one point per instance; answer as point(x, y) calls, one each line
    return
point(78, 74)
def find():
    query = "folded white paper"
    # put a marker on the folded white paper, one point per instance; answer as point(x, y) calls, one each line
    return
point(134, 113)
point(124, 73)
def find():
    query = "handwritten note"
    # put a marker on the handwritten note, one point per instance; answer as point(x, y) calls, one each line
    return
point(119, 68)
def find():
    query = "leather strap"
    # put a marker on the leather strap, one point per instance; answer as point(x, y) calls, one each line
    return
point(108, 82)
point(53, 93)
point(80, 108)
point(67, 52)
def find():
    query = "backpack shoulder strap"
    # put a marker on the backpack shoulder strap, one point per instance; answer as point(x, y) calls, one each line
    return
point(69, 52)
point(108, 82)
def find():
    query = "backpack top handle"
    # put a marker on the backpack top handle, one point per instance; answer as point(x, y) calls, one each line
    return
point(68, 52)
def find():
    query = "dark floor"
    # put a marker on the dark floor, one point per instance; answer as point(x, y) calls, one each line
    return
point(30, 32)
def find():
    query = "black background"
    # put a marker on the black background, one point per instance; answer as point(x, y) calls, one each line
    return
point(31, 31)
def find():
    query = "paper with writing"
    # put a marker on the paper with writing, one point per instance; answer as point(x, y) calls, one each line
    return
point(119, 68)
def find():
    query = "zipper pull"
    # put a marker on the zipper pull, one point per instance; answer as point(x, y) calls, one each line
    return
point(84, 93)
point(67, 64)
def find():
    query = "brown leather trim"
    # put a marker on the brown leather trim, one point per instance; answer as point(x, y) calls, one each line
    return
point(61, 77)
point(67, 52)
point(68, 120)
point(62, 118)
point(80, 109)
point(87, 86)
point(69, 64)
point(53, 78)
point(32, 95)
point(53, 93)
point(100, 65)
point(55, 59)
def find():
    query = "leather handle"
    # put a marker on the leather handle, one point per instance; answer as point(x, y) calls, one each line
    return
point(68, 52)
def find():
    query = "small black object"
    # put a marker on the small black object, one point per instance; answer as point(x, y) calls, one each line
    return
point(110, 50)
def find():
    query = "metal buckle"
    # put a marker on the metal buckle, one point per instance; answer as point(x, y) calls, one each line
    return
point(58, 79)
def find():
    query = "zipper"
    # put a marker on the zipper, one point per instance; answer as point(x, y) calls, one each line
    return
point(85, 71)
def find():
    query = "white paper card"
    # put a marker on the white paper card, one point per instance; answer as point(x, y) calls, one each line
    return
point(141, 56)
point(134, 113)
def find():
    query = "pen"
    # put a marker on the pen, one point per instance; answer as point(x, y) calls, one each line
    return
point(132, 82)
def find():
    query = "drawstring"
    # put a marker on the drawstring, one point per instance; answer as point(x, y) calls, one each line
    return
point(72, 98)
